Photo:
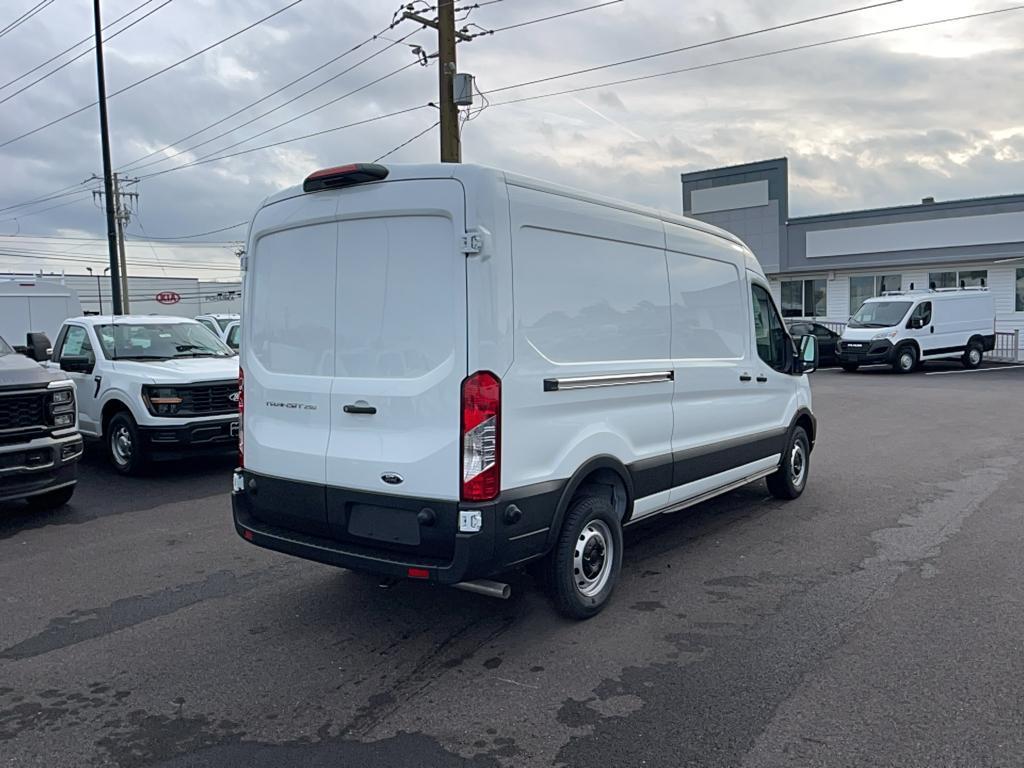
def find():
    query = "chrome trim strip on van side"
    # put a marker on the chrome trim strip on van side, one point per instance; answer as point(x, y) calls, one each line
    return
point(607, 380)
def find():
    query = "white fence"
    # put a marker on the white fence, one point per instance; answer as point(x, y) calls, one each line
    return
point(1007, 347)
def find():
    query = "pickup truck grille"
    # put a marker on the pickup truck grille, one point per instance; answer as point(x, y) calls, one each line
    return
point(22, 411)
point(209, 399)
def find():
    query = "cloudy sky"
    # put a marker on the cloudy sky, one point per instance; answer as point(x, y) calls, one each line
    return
point(877, 121)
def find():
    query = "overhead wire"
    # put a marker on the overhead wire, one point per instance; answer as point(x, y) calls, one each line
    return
point(86, 52)
point(547, 18)
point(752, 57)
point(273, 93)
point(152, 75)
point(293, 99)
point(406, 143)
point(70, 48)
point(40, 6)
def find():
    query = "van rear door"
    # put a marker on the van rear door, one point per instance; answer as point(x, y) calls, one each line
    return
point(399, 345)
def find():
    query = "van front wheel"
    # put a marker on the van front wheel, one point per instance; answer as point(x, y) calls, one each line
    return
point(790, 479)
point(906, 359)
point(582, 570)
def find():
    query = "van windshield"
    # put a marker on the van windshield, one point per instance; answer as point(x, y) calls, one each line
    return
point(159, 341)
point(880, 314)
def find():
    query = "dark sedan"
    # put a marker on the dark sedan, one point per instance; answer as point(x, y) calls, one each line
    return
point(827, 339)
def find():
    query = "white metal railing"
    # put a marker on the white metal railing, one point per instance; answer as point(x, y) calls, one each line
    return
point(1007, 347)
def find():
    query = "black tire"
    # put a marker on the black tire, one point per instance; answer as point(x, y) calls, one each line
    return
point(52, 499)
point(973, 356)
point(591, 528)
point(849, 367)
point(906, 359)
point(124, 447)
point(790, 479)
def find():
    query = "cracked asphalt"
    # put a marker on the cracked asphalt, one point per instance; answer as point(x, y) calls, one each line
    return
point(876, 621)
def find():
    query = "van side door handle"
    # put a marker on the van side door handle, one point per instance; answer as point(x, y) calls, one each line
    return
point(359, 408)
point(762, 378)
point(744, 377)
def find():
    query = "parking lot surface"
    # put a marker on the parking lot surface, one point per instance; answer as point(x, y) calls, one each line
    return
point(876, 621)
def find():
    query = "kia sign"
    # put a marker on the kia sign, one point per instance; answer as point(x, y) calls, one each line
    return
point(168, 297)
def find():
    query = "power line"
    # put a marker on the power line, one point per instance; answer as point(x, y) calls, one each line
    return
point(86, 52)
point(214, 156)
point(44, 210)
point(198, 234)
point(99, 259)
point(40, 6)
point(695, 46)
point(273, 93)
point(154, 74)
point(286, 103)
point(756, 56)
point(45, 240)
point(549, 18)
point(426, 130)
point(62, 192)
point(70, 48)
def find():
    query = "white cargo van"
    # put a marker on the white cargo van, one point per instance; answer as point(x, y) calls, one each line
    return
point(451, 371)
point(906, 328)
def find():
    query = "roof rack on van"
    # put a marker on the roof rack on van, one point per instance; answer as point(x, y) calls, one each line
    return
point(923, 291)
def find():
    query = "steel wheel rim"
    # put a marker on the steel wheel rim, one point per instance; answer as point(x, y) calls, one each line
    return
point(974, 356)
point(798, 464)
point(121, 445)
point(592, 558)
point(906, 361)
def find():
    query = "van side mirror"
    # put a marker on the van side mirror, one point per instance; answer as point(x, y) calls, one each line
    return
point(808, 360)
point(77, 363)
point(39, 346)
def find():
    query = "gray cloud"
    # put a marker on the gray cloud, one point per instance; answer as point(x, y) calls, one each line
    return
point(874, 122)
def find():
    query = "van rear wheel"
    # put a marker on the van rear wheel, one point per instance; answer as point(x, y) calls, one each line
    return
point(973, 356)
point(790, 479)
point(582, 570)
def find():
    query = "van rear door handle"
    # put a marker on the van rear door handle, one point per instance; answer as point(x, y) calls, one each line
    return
point(744, 377)
point(762, 379)
point(359, 408)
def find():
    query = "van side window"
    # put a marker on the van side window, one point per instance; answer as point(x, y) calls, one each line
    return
point(708, 314)
point(773, 345)
point(922, 312)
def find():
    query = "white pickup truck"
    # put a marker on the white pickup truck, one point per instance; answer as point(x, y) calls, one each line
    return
point(150, 386)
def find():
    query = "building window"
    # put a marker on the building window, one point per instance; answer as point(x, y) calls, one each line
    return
point(804, 298)
point(975, 278)
point(1020, 290)
point(864, 287)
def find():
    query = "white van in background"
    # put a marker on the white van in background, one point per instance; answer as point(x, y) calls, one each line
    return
point(906, 328)
point(32, 311)
point(451, 371)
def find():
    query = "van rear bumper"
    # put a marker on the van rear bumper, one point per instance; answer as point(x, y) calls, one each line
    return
point(283, 515)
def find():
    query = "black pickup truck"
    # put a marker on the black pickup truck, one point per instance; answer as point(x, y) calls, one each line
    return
point(39, 440)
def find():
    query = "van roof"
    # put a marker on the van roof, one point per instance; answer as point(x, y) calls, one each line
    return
point(473, 175)
point(930, 294)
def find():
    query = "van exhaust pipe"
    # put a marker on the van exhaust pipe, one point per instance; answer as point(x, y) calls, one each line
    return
point(486, 587)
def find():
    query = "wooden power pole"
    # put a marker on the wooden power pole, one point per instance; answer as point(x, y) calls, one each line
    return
point(447, 36)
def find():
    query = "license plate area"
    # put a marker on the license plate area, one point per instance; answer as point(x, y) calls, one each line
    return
point(384, 524)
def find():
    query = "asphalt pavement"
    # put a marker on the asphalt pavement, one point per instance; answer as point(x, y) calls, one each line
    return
point(876, 621)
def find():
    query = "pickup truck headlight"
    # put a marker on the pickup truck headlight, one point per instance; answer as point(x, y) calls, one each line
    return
point(62, 408)
point(162, 401)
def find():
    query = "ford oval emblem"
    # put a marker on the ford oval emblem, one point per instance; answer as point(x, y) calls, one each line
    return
point(391, 478)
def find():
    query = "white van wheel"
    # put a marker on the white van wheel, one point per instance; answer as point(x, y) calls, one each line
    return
point(906, 359)
point(973, 356)
point(790, 479)
point(583, 568)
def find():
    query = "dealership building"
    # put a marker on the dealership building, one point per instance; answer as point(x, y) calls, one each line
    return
point(825, 266)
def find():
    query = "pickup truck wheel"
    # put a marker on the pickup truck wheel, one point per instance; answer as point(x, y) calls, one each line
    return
point(582, 570)
point(52, 499)
point(789, 481)
point(123, 444)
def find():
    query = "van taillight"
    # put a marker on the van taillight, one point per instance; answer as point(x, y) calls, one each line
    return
point(241, 417)
point(481, 436)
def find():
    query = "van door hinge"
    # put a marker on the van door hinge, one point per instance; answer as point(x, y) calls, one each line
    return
point(472, 243)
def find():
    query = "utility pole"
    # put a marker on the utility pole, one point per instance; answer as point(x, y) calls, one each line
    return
point(447, 35)
point(108, 181)
point(123, 202)
point(451, 143)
